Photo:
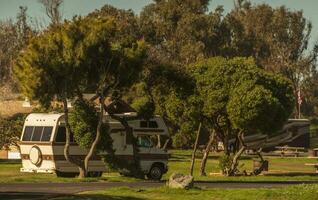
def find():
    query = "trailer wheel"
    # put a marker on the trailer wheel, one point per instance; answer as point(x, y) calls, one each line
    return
point(155, 172)
point(95, 174)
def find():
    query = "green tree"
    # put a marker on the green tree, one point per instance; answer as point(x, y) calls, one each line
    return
point(238, 97)
point(182, 32)
point(51, 67)
point(10, 130)
point(166, 91)
point(277, 38)
point(76, 57)
point(14, 36)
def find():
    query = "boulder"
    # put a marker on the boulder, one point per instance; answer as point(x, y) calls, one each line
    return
point(177, 180)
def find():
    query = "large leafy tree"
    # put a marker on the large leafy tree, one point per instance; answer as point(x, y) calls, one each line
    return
point(182, 32)
point(166, 91)
point(277, 38)
point(13, 38)
point(76, 57)
point(240, 98)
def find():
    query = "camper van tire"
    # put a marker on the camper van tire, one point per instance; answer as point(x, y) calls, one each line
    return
point(156, 172)
point(95, 174)
point(66, 174)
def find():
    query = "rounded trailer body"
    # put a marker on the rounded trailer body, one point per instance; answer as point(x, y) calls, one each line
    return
point(43, 139)
point(42, 146)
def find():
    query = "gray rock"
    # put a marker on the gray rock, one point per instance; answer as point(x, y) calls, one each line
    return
point(177, 180)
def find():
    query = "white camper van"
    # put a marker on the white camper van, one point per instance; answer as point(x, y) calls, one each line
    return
point(43, 138)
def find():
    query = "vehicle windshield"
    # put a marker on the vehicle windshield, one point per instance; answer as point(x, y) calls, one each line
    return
point(144, 141)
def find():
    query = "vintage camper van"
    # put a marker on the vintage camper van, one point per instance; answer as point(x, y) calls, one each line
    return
point(43, 138)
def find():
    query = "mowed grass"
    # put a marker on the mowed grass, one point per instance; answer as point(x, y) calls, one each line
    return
point(10, 173)
point(303, 192)
point(179, 162)
point(181, 159)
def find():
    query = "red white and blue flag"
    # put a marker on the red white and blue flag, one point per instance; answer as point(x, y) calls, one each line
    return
point(299, 100)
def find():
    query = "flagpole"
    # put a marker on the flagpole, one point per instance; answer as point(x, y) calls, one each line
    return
point(299, 101)
point(298, 110)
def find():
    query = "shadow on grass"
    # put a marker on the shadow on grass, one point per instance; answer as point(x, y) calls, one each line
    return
point(28, 195)
point(100, 196)
point(184, 158)
point(287, 182)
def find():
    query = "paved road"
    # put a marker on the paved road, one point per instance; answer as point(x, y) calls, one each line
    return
point(49, 190)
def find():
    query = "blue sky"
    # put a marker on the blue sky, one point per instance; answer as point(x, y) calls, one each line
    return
point(9, 8)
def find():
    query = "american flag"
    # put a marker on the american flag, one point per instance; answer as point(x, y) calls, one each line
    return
point(299, 98)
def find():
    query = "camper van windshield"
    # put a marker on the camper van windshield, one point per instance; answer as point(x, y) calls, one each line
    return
point(144, 141)
point(37, 133)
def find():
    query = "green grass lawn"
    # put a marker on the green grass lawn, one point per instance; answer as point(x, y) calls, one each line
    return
point(301, 192)
point(179, 162)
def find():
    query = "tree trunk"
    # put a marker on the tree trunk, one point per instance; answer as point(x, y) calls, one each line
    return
point(195, 149)
point(92, 150)
point(233, 168)
point(158, 142)
point(78, 163)
point(165, 144)
point(129, 134)
point(206, 154)
point(261, 168)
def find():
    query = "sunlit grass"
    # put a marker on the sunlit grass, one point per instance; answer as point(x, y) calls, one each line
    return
point(179, 162)
point(303, 192)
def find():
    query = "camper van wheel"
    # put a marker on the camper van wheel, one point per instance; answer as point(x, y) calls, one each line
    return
point(65, 174)
point(155, 172)
point(95, 174)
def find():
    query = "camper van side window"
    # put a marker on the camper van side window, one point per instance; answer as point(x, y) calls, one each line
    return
point(153, 124)
point(61, 135)
point(143, 124)
point(27, 133)
point(148, 124)
point(47, 132)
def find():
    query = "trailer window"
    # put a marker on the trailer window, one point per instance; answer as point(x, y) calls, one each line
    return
point(61, 135)
point(27, 133)
point(37, 133)
point(47, 132)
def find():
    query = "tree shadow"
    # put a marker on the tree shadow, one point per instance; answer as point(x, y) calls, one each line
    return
point(43, 195)
point(29, 195)
point(186, 158)
point(103, 196)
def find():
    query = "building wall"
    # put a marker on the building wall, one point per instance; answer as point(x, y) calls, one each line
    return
point(3, 154)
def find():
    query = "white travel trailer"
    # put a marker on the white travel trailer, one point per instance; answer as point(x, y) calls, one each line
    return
point(43, 138)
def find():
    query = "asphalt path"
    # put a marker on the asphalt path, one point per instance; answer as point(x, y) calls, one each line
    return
point(50, 190)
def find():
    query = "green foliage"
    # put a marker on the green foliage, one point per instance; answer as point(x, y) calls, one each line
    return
point(239, 96)
point(14, 36)
point(225, 162)
point(127, 28)
point(182, 32)
point(76, 57)
point(84, 120)
point(166, 91)
point(144, 106)
point(277, 38)
point(10, 130)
